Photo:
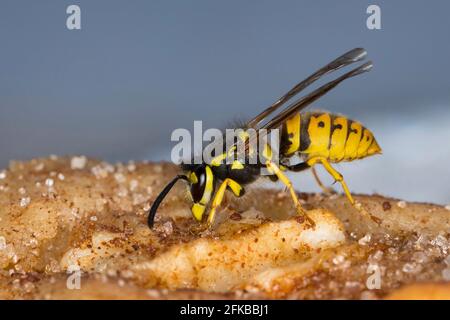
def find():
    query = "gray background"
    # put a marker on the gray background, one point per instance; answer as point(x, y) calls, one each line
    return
point(139, 69)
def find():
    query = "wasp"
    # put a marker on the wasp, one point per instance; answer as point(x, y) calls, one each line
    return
point(314, 137)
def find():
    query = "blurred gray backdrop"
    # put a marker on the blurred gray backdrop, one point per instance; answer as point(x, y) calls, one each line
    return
point(139, 69)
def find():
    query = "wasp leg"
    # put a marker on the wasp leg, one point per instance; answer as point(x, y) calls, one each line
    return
point(336, 175)
point(277, 171)
point(325, 189)
point(235, 187)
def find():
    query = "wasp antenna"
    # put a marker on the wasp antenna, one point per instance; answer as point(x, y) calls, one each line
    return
point(160, 198)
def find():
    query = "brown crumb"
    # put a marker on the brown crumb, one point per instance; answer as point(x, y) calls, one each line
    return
point(236, 216)
point(386, 206)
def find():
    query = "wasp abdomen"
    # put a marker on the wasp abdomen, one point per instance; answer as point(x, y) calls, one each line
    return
point(331, 136)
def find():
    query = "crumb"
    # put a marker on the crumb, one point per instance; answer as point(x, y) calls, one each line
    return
point(401, 204)
point(386, 206)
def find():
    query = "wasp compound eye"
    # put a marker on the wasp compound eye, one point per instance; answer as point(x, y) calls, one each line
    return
point(198, 186)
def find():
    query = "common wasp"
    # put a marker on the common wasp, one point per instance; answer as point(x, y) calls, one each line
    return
point(314, 137)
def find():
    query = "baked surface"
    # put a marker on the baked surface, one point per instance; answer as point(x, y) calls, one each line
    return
point(60, 214)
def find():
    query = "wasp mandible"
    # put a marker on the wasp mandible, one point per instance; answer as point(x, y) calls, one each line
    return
point(316, 137)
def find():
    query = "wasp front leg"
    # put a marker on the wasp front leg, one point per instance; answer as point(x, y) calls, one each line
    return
point(237, 190)
point(272, 167)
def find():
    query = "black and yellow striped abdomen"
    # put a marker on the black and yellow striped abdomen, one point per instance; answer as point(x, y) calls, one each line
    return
point(331, 136)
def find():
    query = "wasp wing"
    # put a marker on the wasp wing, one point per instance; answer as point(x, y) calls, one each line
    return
point(346, 59)
point(305, 101)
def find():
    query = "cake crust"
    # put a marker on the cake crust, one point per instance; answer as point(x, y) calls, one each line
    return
point(62, 217)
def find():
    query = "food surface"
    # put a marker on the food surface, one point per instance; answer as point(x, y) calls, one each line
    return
point(76, 228)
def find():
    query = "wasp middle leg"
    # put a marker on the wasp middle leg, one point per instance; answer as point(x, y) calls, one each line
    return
point(272, 167)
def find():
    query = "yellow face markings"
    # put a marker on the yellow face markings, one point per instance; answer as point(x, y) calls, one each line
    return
point(319, 129)
point(193, 178)
point(338, 139)
point(208, 187)
point(198, 208)
point(364, 144)
point(293, 130)
point(351, 146)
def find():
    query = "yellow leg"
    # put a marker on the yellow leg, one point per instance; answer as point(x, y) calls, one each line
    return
point(336, 175)
point(325, 189)
point(285, 180)
point(235, 187)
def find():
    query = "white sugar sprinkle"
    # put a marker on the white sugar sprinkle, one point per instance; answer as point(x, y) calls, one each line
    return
point(133, 184)
point(401, 204)
point(22, 190)
point(93, 218)
point(25, 201)
point(447, 207)
point(2, 243)
point(49, 182)
point(61, 176)
point(338, 259)
point(131, 166)
point(2, 174)
point(120, 178)
point(365, 240)
point(78, 162)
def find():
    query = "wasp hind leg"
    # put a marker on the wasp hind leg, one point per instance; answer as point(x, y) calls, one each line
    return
point(285, 180)
point(334, 173)
point(237, 190)
point(339, 178)
point(304, 166)
point(325, 189)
